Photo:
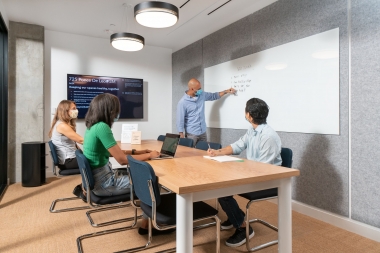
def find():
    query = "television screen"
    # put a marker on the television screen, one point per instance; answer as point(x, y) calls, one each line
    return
point(83, 88)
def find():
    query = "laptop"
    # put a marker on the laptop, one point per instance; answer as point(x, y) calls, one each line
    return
point(169, 147)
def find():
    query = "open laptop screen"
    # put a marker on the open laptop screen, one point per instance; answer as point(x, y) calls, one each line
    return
point(169, 146)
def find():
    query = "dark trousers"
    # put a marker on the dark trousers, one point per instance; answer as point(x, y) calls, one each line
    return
point(70, 163)
point(231, 208)
point(196, 138)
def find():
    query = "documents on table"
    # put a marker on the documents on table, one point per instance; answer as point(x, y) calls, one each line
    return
point(126, 132)
point(224, 158)
point(136, 137)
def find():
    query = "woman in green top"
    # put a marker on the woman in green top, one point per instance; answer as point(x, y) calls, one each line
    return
point(100, 144)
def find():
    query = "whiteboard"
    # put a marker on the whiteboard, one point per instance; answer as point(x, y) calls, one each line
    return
point(298, 80)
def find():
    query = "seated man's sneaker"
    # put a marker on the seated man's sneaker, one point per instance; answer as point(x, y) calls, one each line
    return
point(238, 238)
point(226, 225)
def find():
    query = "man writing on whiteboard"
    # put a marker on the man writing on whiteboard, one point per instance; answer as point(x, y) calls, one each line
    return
point(263, 145)
point(191, 113)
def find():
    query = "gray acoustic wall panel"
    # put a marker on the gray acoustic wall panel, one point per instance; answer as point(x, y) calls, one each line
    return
point(365, 58)
point(229, 43)
point(322, 159)
point(187, 63)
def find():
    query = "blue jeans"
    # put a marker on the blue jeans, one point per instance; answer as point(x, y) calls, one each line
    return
point(109, 182)
point(231, 208)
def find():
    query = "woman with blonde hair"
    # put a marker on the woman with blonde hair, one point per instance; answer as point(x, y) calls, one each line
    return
point(63, 134)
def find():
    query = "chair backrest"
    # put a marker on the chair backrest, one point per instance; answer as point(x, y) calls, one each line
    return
point(53, 153)
point(140, 173)
point(186, 142)
point(161, 138)
point(287, 157)
point(85, 170)
point(204, 145)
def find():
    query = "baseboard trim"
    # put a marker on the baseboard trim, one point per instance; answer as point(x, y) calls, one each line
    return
point(339, 221)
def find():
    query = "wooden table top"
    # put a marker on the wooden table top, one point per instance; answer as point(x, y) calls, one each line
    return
point(190, 172)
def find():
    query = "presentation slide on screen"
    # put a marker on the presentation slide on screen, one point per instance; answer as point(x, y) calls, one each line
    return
point(82, 89)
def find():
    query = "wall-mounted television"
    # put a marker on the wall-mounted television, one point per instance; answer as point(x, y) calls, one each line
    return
point(83, 88)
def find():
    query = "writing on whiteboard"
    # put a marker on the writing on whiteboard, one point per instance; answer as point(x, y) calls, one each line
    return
point(241, 81)
point(244, 67)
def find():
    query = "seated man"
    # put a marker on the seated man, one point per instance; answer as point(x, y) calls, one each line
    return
point(263, 145)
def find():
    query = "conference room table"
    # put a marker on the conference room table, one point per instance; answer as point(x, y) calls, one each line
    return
point(194, 178)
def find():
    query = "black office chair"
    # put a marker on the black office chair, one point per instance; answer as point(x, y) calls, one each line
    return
point(161, 209)
point(204, 145)
point(186, 142)
point(99, 202)
point(54, 157)
point(161, 138)
point(287, 160)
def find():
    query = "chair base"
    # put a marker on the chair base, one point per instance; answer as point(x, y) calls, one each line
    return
point(66, 209)
point(264, 245)
point(105, 232)
point(88, 213)
point(216, 222)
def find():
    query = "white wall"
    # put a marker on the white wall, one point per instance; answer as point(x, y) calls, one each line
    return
point(68, 53)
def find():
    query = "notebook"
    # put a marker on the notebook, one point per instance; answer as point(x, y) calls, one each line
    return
point(169, 147)
point(224, 158)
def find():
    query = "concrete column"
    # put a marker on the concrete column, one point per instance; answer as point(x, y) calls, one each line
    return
point(25, 91)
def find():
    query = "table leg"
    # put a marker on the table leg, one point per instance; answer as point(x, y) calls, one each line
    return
point(285, 216)
point(184, 240)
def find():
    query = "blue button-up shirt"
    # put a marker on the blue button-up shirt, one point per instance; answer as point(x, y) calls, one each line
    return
point(263, 145)
point(191, 113)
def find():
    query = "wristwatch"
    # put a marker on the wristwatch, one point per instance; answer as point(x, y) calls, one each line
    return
point(133, 151)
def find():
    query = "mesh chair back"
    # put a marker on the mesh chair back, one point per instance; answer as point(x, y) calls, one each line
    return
point(204, 145)
point(141, 172)
point(287, 157)
point(85, 169)
point(53, 153)
point(161, 138)
point(186, 142)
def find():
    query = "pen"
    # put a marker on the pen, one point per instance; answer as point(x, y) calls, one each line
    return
point(208, 145)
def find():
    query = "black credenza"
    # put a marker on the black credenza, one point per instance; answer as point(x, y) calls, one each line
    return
point(33, 163)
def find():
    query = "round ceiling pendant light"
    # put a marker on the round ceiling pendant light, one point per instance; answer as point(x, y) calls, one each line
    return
point(156, 14)
point(127, 41)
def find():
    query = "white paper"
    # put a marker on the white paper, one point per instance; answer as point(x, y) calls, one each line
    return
point(136, 137)
point(126, 132)
point(223, 158)
point(115, 164)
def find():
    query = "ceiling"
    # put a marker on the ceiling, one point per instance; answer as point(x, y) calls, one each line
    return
point(94, 17)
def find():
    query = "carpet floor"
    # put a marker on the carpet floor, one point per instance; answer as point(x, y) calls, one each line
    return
point(26, 225)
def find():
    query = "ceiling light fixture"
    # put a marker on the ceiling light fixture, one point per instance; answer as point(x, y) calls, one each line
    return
point(127, 41)
point(156, 14)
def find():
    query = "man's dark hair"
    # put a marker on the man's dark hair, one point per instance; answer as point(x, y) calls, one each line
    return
point(104, 107)
point(258, 110)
